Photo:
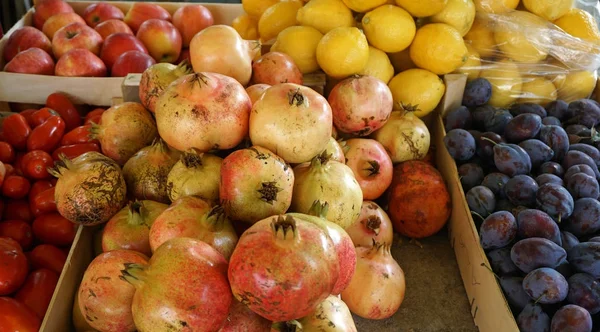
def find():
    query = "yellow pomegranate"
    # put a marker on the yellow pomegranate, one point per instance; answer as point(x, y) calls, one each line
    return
point(325, 15)
point(495, 6)
point(522, 36)
point(389, 28)
point(537, 90)
point(422, 8)
point(418, 88)
point(362, 6)
point(246, 26)
point(378, 66)
point(473, 65)
point(505, 78)
point(575, 85)
point(342, 52)
point(481, 37)
point(300, 43)
point(579, 23)
point(401, 60)
point(548, 9)
point(256, 8)
point(458, 13)
point(278, 17)
point(438, 48)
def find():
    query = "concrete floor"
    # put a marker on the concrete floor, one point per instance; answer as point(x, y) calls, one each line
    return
point(435, 299)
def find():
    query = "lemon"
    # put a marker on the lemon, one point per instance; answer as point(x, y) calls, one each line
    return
point(256, 8)
point(362, 6)
point(579, 23)
point(458, 13)
point(300, 43)
point(438, 48)
point(325, 15)
point(481, 37)
point(389, 28)
point(496, 6)
point(473, 65)
point(378, 66)
point(342, 52)
point(548, 9)
point(246, 26)
point(401, 60)
point(417, 87)
point(537, 90)
point(505, 78)
point(575, 85)
point(422, 8)
point(278, 17)
point(522, 36)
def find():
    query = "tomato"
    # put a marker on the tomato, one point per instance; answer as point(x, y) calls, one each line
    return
point(37, 291)
point(15, 316)
point(18, 164)
point(47, 136)
point(61, 104)
point(52, 228)
point(14, 266)
point(35, 164)
point(38, 187)
point(43, 203)
point(39, 117)
point(17, 230)
point(15, 186)
point(49, 257)
point(28, 115)
point(94, 114)
point(94, 119)
point(7, 153)
point(18, 209)
point(75, 150)
point(16, 131)
point(79, 135)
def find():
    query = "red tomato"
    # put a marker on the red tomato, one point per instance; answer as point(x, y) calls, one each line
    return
point(35, 164)
point(28, 115)
point(61, 103)
point(37, 291)
point(43, 203)
point(16, 131)
point(18, 164)
point(75, 150)
point(52, 228)
point(79, 135)
point(93, 119)
point(38, 187)
point(47, 136)
point(15, 316)
point(49, 257)
point(17, 230)
point(39, 117)
point(18, 209)
point(15, 186)
point(94, 113)
point(14, 266)
point(7, 153)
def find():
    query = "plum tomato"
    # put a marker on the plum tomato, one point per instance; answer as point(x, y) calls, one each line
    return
point(15, 186)
point(49, 257)
point(52, 228)
point(15, 316)
point(63, 106)
point(18, 209)
point(14, 266)
point(47, 136)
point(16, 130)
point(36, 163)
point(17, 230)
point(79, 135)
point(43, 203)
point(37, 291)
point(7, 153)
point(75, 150)
point(41, 116)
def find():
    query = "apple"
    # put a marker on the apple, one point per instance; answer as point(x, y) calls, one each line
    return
point(111, 26)
point(80, 62)
point(48, 8)
point(55, 22)
point(75, 35)
point(131, 62)
point(190, 20)
point(185, 55)
point(117, 44)
point(99, 12)
point(31, 61)
point(162, 39)
point(141, 12)
point(23, 39)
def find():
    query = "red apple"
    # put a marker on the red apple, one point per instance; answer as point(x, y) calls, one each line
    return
point(55, 22)
point(131, 62)
point(162, 39)
point(23, 39)
point(141, 12)
point(190, 20)
point(31, 61)
point(76, 35)
point(99, 12)
point(185, 55)
point(80, 62)
point(48, 8)
point(117, 44)
point(109, 27)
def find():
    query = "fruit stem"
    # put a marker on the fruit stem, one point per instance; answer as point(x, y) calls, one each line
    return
point(94, 131)
point(137, 213)
point(282, 226)
point(183, 68)
point(215, 218)
point(191, 159)
point(489, 139)
point(373, 167)
point(199, 78)
point(289, 326)
point(373, 224)
point(134, 274)
point(320, 159)
point(296, 97)
point(319, 209)
point(268, 192)
point(61, 165)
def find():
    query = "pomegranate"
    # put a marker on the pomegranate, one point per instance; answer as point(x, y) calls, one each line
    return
point(195, 174)
point(372, 224)
point(197, 109)
point(194, 217)
point(275, 67)
point(329, 181)
point(79, 321)
point(283, 267)
point(146, 171)
point(360, 104)
point(156, 78)
point(335, 149)
point(123, 130)
point(404, 136)
point(291, 120)
point(334, 132)
point(371, 165)
point(241, 318)
point(332, 315)
point(104, 297)
point(90, 188)
point(377, 288)
point(183, 288)
point(255, 184)
point(256, 91)
point(129, 228)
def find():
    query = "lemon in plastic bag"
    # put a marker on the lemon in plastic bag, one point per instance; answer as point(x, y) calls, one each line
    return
point(548, 9)
point(537, 90)
point(579, 23)
point(522, 36)
point(505, 78)
point(417, 87)
point(481, 37)
point(439, 48)
point(495, 6)
point(473, 65)
point(575, 85)
point(458, 13)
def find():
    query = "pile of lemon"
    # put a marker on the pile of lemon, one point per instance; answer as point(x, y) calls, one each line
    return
point(409, 43)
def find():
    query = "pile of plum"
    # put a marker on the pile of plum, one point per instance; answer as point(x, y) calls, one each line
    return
point(530, 175)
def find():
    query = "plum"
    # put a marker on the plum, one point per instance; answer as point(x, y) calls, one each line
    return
point(591, 151)
point(477, 92)
point(568, 240)
point(522, 127)
point(501, 262)
point(533, 319)
point(584, 291)
point(497, 121)
point(470, 175)
point(575, 157)
point(585, 112)
point(504, 205)
point(542, 179)
point(498, 230)
point(555, 200)
point(460, 144)
point(511, 159)
point(585, 219)
point(514, 292)
point(546, 286)
point(557, 139)
point(584, 258)
point(582, 185)
point(524, 108)
point(496, 182)
point(552, 167)
point(551, 121)
point(532, 253)
point(557, 109)
point(481, 114)
point(571, 318)
point(521, 190)
point(485, 144)
point(538, 152)
point(459, 118)
point(535, 223)
point(578, 169)
point(481, 200)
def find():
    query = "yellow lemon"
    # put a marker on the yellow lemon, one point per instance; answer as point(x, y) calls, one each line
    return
point(325, 15)
point(505, 78)
point(256, 8)
point(379, 65)
point(495, 6)
point(481, 37)
point(579, 23)
point(417, 87)
point(438, 48)
point(362, 6)
point(575, 85)
point(422, 8)
point(278, 17)
point(342, 52)
point(458, 13)
point(548, 9)
point(246, 26)
point(537, 90)
point(473, 65)
point(300, 43)
point(401, 60)
point(389, 28)
point(522, 36)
